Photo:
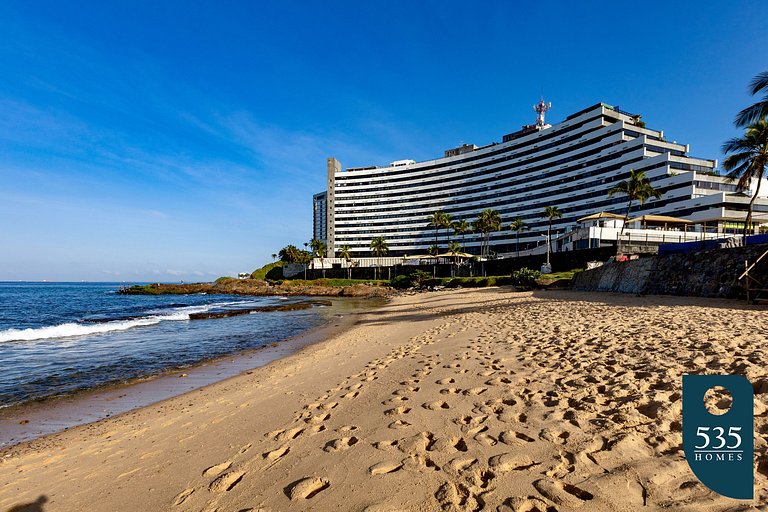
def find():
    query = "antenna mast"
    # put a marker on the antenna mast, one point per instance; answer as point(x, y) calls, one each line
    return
point(541, 108)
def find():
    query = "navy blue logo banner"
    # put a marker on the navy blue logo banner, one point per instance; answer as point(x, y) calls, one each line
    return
point(719, 448)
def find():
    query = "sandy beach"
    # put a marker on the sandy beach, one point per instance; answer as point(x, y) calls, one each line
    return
point(457, 400)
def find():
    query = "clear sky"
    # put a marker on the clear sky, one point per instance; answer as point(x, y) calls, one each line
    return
point(183, 140)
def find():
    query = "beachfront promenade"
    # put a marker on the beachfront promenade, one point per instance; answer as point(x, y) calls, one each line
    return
point(463, 400)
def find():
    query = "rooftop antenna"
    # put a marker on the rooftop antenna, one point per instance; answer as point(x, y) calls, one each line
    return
point(541, 108)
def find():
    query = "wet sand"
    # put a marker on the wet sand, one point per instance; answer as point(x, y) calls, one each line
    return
point(34, 419)
point(461, 400)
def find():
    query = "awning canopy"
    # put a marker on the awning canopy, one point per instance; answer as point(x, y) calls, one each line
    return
point(660, 218)
point(600, 215)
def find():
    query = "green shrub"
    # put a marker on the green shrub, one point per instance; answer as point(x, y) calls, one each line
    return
point(270, 271)
point(525, 276)
point(415, 279)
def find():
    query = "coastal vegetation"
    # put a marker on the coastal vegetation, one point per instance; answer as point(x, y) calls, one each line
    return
point(461, 228)
point(748, 160)
point(292, 254)
point(270, 271)
point(517, 226)
point(440, 220)
point(551, 213)
point(379, 248)
point(759, 110)
point(637, 188)
point(488, 221)
point(749, 153)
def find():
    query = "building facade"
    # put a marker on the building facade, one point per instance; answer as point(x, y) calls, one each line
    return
point(320, 216)
point(570, 165)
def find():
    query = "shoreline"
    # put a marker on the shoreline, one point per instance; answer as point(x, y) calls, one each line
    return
point(29, 421)
point(483, 399)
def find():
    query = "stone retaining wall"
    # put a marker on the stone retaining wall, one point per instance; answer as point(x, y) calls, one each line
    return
point(703, 274)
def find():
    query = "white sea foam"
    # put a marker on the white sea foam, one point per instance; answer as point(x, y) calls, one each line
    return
point(82, 329)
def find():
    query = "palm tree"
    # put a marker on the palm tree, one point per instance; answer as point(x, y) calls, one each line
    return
point(274, 256)
point(434, 250)
point(637, 187)
point(344, 253)
point(759, 110)
point(462, 227)
point(379, 248)
point(748, 160)
point(455, 248)
point(320, 250)
point(446, 223)
point(552, 213)
point(489, 220)
point(517, 226)
point(438, 220)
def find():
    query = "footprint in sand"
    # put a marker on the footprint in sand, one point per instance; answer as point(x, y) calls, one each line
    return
point(511, 438)
point(350, 395)
point(383, 468)
point(395, 400)
point(397, 411)
point(226, 482)
point(388, 445)
point(399, 424)
point(276, 454)
point(562, 493)
point(527, 504)
point(217, 469)
point(338, 445)
point(436, 406)
point(319, 418)
point(306, 488)
point(182, 497)
point(443, 382)
point(507, 462)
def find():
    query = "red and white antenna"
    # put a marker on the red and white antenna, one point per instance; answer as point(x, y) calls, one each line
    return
point(541, 108)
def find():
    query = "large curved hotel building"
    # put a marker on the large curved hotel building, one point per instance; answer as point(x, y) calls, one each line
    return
point(571, 165)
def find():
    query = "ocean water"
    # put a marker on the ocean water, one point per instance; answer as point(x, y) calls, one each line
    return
point(59, 338)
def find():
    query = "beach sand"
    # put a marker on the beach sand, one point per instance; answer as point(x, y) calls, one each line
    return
point(463, 400)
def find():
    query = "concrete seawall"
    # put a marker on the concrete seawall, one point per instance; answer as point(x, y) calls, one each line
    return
point(702, 274)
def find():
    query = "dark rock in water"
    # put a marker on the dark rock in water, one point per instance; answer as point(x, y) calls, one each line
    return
point(262, 309)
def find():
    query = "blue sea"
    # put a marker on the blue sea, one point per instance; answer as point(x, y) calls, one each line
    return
point(60, 338)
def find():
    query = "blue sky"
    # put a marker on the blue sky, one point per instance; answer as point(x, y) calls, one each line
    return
point(171, 141)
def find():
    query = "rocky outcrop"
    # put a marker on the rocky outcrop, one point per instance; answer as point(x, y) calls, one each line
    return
point(711, 273)
point(258, 287)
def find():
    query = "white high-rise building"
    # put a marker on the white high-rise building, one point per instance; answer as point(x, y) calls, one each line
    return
point(570, 165)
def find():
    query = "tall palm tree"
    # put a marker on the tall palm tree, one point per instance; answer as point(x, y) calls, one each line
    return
point(320, 250)
point(439, 220)
point(517, 226)
point(748, 160)
point(274, 256)
point(346, 255)
point(446, 222)
point(760, 109)
point(488, 221)
point(637, 187)
point(379, 248)
point(455, 248)
point(462, 227)
point(552, 213)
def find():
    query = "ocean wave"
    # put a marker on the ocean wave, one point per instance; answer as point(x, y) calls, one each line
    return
point(103, 325)
point(78, 329)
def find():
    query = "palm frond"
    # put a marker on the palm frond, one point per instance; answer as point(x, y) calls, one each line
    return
point(752, 113)
point(759, 83)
